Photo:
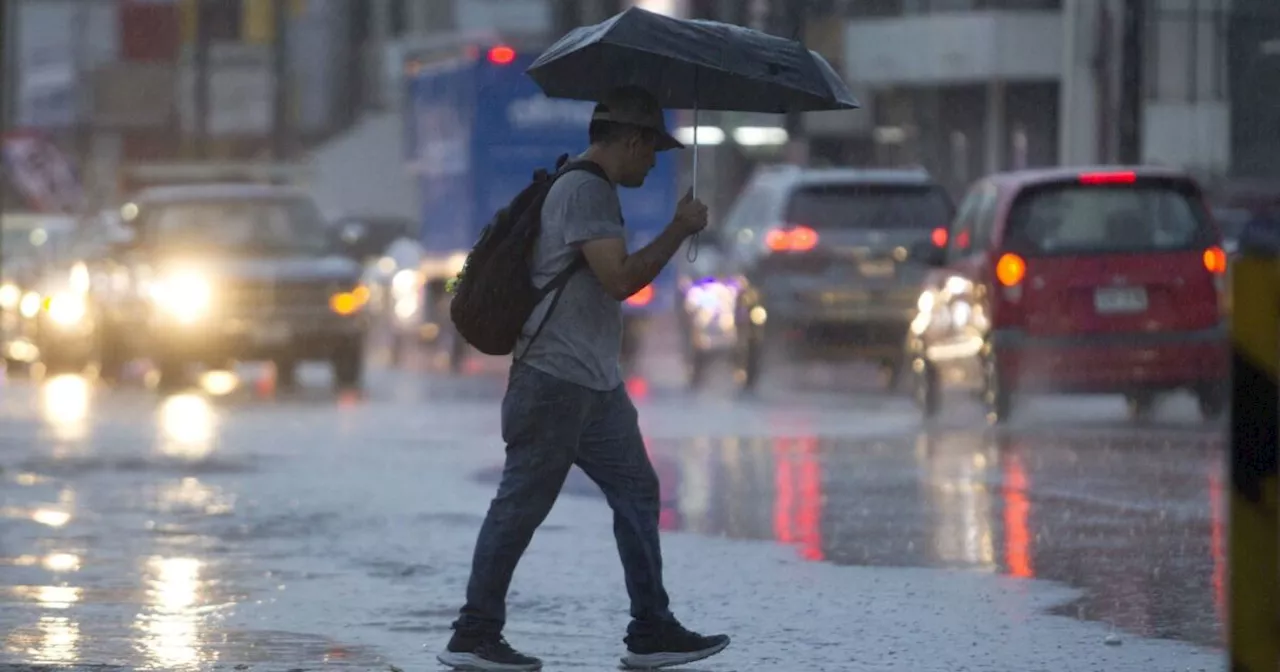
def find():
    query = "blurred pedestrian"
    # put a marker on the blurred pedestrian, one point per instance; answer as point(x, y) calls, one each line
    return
point(566, 403)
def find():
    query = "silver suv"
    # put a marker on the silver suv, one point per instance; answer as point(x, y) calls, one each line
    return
point(812, 264)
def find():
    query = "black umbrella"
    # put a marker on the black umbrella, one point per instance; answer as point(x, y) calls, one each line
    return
point(690, 64)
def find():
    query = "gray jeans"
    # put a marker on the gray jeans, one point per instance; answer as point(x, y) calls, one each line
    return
point(549, 426)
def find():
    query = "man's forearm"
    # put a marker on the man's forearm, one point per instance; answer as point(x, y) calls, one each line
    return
point(643, 265)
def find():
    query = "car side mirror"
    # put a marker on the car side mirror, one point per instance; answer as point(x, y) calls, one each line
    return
point(926, 253)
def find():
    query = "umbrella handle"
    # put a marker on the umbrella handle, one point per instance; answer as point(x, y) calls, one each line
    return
point(691, 252)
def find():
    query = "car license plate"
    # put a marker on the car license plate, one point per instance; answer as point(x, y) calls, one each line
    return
point(879, 268)
point(271, 334)
point(1120, 300)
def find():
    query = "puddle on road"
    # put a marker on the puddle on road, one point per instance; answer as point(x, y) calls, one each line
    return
point(129, 545)
point(1134, 522)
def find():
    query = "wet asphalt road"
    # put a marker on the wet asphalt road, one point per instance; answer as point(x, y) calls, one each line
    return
point(136, 529)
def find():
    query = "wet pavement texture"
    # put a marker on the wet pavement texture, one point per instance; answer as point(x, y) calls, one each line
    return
point(1133, 521)
point(239, 525)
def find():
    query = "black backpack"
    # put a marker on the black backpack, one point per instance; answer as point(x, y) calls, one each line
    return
point(494, 295)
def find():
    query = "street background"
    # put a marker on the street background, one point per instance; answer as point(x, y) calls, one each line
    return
point(823, 529)
point(820, 522)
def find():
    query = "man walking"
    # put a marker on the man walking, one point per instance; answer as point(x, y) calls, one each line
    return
point(566, 403)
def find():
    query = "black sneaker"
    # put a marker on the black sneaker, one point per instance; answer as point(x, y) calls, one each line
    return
point(490, 653)
point(673, 645)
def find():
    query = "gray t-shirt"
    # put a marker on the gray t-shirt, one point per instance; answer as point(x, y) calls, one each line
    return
point(582, 341)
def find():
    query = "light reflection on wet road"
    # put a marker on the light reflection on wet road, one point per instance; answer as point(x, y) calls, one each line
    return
point(1135, 519)
point(122, 493)
point(132, 526)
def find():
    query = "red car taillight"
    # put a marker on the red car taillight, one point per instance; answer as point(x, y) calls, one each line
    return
point(791, 238)
point(642, 297)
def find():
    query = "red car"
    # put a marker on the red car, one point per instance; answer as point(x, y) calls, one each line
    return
point(1063, 280)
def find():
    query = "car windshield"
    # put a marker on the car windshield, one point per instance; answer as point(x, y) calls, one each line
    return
point(260, 225)
point(870, 206)
point(1108, 218)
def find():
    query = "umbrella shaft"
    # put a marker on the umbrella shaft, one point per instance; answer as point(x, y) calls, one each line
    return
point(695, 152)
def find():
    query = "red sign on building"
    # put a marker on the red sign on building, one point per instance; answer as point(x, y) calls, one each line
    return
point(150, 30)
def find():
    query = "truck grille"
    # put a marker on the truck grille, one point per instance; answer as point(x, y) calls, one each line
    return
point(274, 296)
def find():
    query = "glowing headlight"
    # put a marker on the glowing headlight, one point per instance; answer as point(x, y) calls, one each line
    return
point(924, 303)
point(404, 282)
point(65, 308)
point(29, 305)
point(79, 278)
point(10, 295)
point(184, 296)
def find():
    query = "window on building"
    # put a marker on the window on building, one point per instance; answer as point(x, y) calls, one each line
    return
point(398, 18)
point(222, 19)
point(1185, 51)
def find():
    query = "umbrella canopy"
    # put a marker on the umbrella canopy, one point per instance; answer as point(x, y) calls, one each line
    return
point(690, 64)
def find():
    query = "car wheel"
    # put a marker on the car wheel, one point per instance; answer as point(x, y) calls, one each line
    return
point(696, 365)
point(1212, 402)
point(398, 349)
point(286, 373)
point(173, 374)
point(458, 352)
point(928, 390)
point(749, 360)
point(348, 365)
point(632, 338)
point(890, 375)
point(111, 358)
point(1141, 406)
point(996, 397)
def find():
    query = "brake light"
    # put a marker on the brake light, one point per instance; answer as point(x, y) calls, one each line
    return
point(1010, 269)
point(502, 55)
point(803, 239)
point(1119, 177)
point(939, 237)
point(1215, 260)
point(791, 239)
point(642, 297)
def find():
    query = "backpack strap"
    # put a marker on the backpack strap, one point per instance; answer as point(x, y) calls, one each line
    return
point(563, 167)
point(556, 285)
point(582, 164)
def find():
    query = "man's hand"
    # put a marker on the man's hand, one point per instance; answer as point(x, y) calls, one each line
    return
point(625, 274)
point(691, 215)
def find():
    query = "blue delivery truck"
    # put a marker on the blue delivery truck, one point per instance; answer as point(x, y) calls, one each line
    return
point(477, 128)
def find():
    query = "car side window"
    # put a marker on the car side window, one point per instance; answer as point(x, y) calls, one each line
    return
point(985, 220)
point(962, 226)
point(973, 223)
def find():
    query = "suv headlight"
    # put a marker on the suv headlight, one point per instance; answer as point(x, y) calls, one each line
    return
point(10, 295)
point(185, 296)
point(65, 308)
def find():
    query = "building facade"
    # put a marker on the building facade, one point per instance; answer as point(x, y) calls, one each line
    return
point(988, 85)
